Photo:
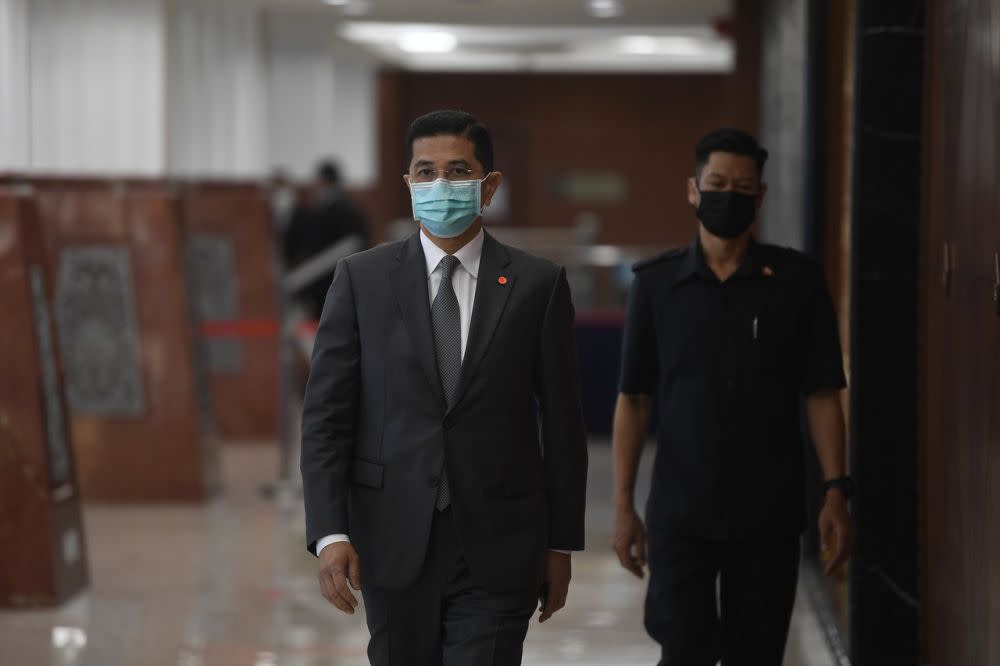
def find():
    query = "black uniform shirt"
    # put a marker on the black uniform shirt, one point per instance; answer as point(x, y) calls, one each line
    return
point(729, 362)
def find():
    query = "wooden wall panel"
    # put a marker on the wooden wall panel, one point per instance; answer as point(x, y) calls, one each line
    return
point(244, 396)
point(641, 127)
point(42, 547)
point(165, 451)
point(962, 337)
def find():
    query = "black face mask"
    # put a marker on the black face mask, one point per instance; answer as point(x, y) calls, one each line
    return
point(727, 214)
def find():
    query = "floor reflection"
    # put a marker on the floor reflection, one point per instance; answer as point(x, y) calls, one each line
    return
point(229, 583)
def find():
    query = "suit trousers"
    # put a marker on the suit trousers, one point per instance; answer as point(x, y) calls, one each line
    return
point(744, 621)
point(444, 617)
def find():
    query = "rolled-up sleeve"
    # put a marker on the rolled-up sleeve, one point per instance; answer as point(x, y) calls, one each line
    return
point(639, 356)
point(821, 364)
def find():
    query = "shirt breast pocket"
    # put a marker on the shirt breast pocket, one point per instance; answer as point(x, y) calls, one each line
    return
point(683, 347)
point(772, 344)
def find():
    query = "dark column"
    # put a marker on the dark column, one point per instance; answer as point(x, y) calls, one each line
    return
point(884, 330)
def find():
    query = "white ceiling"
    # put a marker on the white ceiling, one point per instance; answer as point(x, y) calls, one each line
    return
point(529, 35)
point(533, 12)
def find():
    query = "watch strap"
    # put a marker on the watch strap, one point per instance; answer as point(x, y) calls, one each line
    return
point(843, 483)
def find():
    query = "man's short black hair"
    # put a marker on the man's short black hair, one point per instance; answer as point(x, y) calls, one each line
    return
point(328, 172)
point(728, 140)
point(455, 123)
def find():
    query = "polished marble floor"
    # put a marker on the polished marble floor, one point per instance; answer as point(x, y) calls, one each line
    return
point(229, 584)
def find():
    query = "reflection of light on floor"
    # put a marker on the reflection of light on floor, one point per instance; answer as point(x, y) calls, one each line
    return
point(600, 619)
point(266, 659)
point(300, 636)
point(69, 641)
point(573, 645)
point(185, 658)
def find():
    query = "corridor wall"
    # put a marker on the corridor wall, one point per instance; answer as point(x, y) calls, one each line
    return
point(961, 343)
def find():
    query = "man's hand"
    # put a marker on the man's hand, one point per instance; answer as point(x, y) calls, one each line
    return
point(835, 531)
point(558, 571)
point(630, 541)
point(338, 565)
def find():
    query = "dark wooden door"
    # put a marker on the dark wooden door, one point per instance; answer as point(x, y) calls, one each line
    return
point(962, 338)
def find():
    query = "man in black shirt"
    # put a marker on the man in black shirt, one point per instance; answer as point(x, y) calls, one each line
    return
point(329, 217)
point(729, 335)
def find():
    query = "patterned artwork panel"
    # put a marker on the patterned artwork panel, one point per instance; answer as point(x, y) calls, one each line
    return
point(95, 312)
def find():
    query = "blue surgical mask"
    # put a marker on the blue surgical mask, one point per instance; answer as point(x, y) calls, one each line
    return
point(446, 208)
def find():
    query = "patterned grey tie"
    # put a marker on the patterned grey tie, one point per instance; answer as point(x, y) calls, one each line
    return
point(446, 320)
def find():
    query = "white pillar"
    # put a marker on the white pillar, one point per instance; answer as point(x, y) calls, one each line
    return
point(216, 91)
point(96, 86)
point(14, 86)
point(321, 99)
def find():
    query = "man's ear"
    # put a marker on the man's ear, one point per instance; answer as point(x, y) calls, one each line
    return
point(694, 196)
point(406, 179)
point(490, 186)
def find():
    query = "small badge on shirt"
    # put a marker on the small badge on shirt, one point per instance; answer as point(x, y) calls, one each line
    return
point(502, 280)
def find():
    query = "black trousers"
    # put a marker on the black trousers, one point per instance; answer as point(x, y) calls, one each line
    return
point(747, 623)
point(445, 618)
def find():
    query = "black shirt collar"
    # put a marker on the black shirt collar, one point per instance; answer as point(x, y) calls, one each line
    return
point(695, 265)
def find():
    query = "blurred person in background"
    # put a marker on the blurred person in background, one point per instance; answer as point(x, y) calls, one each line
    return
point(328, 217)
point(283, 198)
point(730, 335)
point(444, 456)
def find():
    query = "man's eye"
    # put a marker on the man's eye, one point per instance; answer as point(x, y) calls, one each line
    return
point(458, 171)
point(423, 172)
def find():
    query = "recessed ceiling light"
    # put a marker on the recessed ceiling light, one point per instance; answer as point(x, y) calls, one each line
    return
point(604, 8)
point(668, 46)
point(336, 3)
point(639, 45)
point(428, 42)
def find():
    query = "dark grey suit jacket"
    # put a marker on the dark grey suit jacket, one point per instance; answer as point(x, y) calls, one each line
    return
point(376, 432)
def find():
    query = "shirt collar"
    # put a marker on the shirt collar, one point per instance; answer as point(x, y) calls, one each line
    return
point(695, 265)
point(469, 255)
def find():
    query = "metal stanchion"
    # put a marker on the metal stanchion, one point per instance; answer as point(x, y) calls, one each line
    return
point(291, 347)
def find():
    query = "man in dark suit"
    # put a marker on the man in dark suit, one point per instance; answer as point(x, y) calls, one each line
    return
point(443, 449)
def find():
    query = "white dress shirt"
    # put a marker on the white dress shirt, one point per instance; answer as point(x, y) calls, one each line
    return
point(463, 280)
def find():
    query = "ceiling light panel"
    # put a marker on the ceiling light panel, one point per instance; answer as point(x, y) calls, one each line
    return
point(608, 48)
point(604, 9)
point(427, 41)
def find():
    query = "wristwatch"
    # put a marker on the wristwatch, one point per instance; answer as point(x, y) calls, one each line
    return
point(843, 483)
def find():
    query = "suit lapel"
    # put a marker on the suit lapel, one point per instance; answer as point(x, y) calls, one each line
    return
point(409, 281)
point(493, 287)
